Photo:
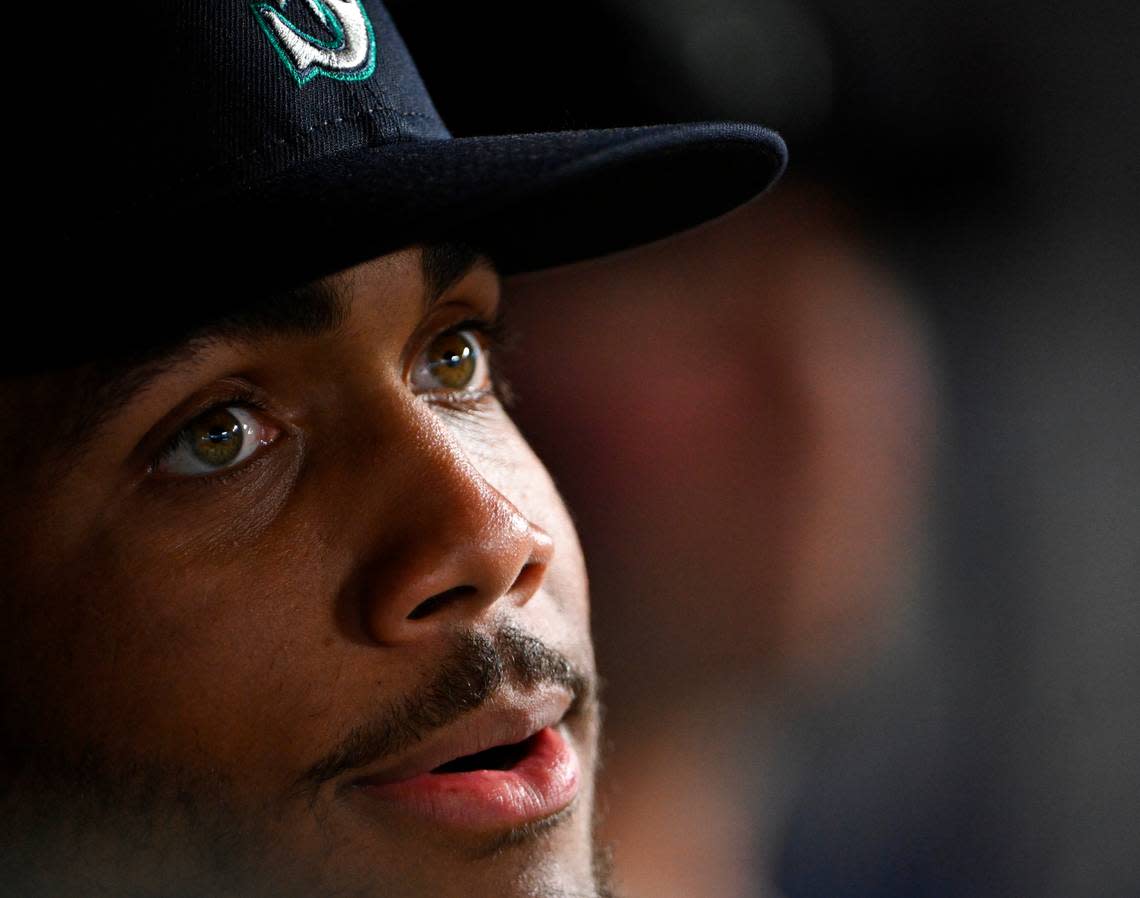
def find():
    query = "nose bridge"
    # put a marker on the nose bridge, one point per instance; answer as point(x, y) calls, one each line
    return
point(458, 545)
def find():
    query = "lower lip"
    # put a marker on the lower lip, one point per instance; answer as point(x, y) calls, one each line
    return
point(540, 785)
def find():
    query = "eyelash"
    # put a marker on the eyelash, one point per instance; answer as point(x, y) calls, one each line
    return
point(495, 333)
point(496, 330)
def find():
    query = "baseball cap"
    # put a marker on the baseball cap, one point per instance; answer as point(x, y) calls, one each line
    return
point(188, 157)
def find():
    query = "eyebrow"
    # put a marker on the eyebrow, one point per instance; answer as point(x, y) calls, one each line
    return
point(316, 309)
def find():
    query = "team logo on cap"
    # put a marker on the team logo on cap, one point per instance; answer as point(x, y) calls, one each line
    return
point(349, 56)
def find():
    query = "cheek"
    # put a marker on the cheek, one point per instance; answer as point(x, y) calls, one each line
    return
point(158, 642)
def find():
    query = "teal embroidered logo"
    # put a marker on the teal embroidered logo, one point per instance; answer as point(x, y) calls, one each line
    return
point(349, 56)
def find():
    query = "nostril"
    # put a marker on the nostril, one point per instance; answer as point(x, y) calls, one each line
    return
point(529, 580)
point(433, 604)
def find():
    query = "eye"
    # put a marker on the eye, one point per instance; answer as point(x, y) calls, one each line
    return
point(217, 440)
point(454, 362)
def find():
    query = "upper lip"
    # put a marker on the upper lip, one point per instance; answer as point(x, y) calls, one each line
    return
point(506, 719)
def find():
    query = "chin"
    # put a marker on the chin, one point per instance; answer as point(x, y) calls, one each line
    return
point(553, 857)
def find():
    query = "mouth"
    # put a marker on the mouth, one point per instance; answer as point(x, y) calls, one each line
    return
point(498, 757)
point(500, 770)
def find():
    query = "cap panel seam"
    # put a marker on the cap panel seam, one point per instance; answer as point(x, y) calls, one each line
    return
point(297, 137)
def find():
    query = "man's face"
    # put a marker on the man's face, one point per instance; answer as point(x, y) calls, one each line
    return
point(251, 608)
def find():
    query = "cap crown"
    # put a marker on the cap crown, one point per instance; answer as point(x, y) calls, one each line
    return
point(198, 95)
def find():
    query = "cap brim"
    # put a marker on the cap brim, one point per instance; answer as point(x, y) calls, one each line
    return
point(531, 200)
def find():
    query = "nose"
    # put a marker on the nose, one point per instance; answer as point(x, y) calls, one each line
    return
point(459, 548)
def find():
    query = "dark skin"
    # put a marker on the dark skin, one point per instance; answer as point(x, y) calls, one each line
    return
point(185, 648)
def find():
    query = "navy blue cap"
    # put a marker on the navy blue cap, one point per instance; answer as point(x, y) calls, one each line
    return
point(199, 152)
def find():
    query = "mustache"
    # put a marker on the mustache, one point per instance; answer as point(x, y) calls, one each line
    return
point(476, 668)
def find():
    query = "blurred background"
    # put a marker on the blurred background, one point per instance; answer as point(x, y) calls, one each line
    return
point(856, 467)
